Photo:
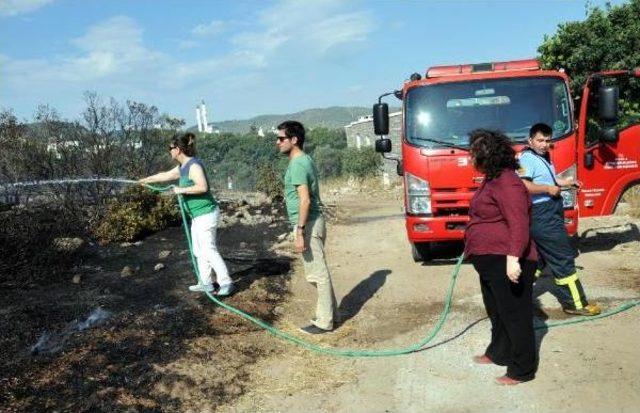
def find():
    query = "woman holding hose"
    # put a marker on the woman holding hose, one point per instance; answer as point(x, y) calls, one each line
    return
point(201, 207)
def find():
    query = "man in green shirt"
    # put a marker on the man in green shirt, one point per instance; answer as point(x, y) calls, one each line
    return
point(302, 196)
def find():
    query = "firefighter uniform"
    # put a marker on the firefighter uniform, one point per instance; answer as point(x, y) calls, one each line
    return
point(555, 250)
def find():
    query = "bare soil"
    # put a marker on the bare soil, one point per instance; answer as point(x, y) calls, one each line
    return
point(165, 349)
point(388, 301)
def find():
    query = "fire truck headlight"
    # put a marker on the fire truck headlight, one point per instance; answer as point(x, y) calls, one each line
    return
point(418, 195)
point(568, 195)
point(568, 198)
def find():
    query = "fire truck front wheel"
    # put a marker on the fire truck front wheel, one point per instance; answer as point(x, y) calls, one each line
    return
point(421, 251)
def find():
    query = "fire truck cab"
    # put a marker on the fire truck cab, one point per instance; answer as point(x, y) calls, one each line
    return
point(593, 140)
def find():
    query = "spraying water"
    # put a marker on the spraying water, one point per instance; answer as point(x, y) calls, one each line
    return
point(54, 342)
point(66, 181)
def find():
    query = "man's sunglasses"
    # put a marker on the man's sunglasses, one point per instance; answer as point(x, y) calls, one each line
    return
point(282, 138)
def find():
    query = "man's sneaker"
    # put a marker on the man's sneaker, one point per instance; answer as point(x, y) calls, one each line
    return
point(311, 329)
point(587, 310)
point(201, 287)
point(224, 290)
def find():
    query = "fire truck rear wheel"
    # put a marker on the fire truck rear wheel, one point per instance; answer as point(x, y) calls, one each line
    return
point(421, 251)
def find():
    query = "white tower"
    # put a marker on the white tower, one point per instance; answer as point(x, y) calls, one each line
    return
point(199, 119)
point(201, 115)
point(203, 118)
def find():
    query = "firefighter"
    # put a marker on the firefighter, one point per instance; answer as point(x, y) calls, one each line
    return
point(547, 221)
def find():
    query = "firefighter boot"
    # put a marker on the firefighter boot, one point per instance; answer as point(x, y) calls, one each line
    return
point(587, 310)
point(577, 301)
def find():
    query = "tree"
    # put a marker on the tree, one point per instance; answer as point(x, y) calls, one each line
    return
point(361, 162)
point(328, 161)
point(171, 123)
point(321, 136)
point(24, 150)
point(143, 145)
point(269, 181)
point(607, 39)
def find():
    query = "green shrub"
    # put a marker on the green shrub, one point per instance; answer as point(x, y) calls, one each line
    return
point(328, 161)
point(361, 162)
point(136, 213)
point(269, 181)
point(320, 137)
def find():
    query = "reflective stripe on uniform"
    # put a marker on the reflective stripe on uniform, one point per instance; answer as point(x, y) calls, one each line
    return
point(570, 281)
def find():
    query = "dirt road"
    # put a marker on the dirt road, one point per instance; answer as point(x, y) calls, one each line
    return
point(388, 301)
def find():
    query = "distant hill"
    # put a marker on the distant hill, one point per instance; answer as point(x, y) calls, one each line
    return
point(333, 117)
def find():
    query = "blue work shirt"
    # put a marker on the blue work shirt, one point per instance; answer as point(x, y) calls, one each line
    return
point(536, 169)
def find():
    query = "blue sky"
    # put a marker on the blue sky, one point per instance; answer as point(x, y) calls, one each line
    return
point(247, 58)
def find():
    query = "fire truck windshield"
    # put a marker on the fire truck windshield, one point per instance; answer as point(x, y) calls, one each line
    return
point(448, 112)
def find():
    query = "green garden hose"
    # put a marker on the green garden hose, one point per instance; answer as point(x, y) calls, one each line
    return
point(371, 353)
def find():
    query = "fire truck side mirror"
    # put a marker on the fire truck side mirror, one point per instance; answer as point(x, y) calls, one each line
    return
point(609, 134)
point(381, 119)
point(383, 145)
point(608, 104)
point(588, 160)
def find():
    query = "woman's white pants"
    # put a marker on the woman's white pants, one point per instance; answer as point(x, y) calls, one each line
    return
point(203, 238)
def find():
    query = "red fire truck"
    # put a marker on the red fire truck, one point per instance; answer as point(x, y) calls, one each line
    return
point(593, 143)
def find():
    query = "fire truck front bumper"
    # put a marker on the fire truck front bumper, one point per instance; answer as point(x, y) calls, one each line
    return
point(434, 229)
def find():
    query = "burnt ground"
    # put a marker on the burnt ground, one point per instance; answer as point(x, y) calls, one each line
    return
point(158, 346)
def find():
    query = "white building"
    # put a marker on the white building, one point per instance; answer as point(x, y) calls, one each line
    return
point(360, 135)
point(201, 118)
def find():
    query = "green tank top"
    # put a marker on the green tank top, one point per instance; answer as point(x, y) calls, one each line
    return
point(200, 204)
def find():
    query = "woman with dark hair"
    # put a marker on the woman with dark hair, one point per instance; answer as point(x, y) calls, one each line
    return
point(498, 245)
point(201, 207)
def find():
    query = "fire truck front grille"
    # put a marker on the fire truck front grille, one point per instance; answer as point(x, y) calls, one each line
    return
point(451, 211)
point(469, 189)
point(458, 226)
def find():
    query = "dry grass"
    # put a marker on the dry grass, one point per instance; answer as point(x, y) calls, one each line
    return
point(332, 186)
point(311, 371)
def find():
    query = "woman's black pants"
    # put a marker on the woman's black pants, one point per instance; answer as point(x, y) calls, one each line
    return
point(510, 309)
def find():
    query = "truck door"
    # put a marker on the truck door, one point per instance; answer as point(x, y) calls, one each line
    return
point(608, 145)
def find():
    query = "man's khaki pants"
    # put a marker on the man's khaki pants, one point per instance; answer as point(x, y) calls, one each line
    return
point(317, 272)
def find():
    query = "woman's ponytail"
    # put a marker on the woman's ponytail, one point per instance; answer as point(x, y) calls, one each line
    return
point(186, 142)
